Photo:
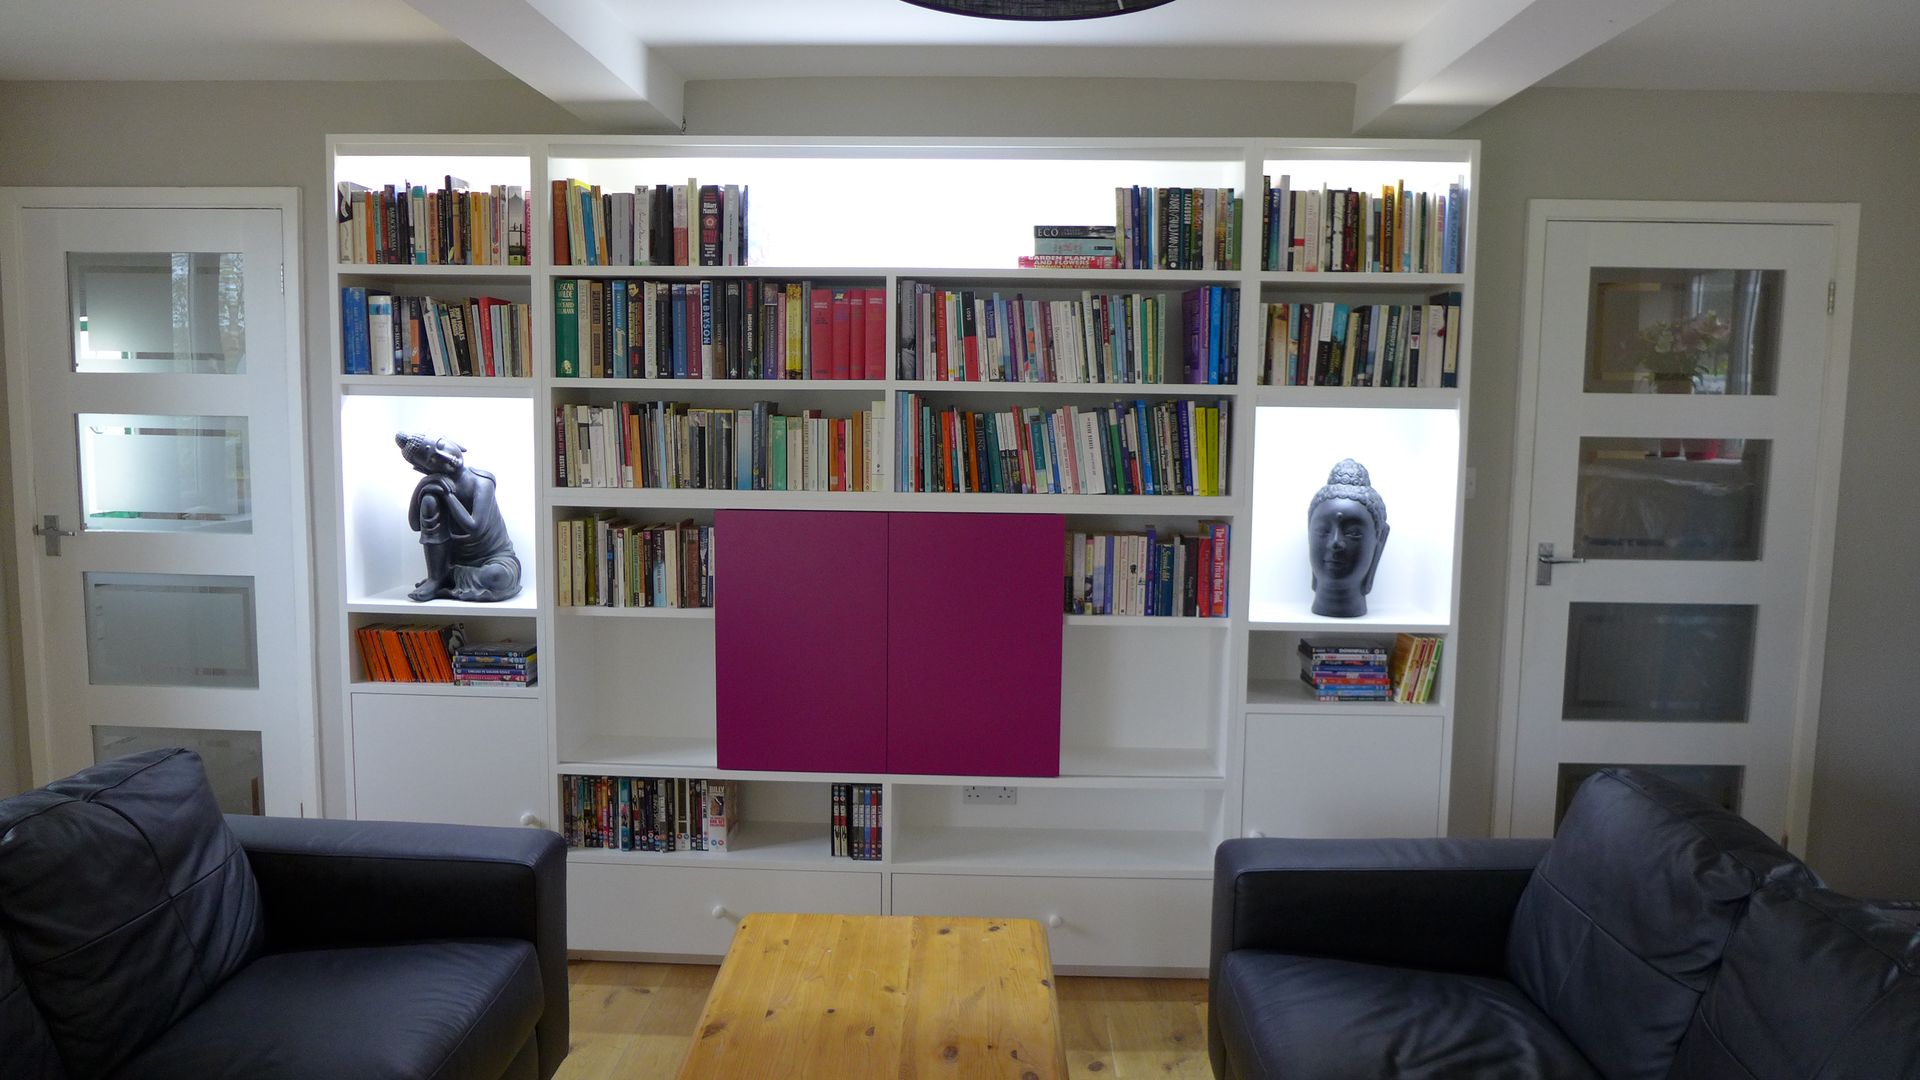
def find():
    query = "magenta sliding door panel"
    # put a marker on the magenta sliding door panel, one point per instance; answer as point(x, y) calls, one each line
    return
point(973, 646)
point(800, 634)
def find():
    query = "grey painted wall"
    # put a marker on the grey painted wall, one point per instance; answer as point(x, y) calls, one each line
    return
point(1543, 144)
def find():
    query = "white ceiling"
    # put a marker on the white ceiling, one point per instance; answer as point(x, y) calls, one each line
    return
point(1416, 64)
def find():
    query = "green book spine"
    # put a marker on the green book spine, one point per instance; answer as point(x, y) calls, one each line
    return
point(566, 328)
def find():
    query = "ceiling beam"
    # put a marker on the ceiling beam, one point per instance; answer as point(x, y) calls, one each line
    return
point(580, 54)
point(1478, 53)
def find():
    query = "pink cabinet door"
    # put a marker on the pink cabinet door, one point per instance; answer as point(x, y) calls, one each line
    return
point(800, 633)
point(974, 620)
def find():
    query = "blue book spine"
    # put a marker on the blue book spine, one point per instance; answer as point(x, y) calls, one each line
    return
point(679, 331)
point(1163, 572)
point(1215, 303)
point(617, 329)
point(587, 228)
point(1456, 204)
point(353, 331)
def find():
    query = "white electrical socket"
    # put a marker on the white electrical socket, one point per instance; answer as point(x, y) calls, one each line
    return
point(976, 793)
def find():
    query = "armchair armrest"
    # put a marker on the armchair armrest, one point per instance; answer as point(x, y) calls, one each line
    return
point(1430, 903)
point(336, 883)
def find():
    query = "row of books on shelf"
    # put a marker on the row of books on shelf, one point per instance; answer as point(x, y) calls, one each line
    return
point(855, 832)
point(413, 224)
point(1177, 228)
point(968, 336)
point(382, 334)
point(1150, 573)
point(440, 653)
point(1354, 670)
point(1126, 448)
point(1396, 231)
point(690, 224)
point(1329, 344)
point(658, 814)
point(605, 561)
point(671, 444)
point(735, 328)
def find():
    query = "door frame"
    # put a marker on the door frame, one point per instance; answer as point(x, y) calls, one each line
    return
point(14, 202)
point(1845, 220)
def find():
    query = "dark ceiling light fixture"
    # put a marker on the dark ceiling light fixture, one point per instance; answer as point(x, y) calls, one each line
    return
point(1038, 10)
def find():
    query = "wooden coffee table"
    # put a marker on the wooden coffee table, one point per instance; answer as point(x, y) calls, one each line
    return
point(881, 996)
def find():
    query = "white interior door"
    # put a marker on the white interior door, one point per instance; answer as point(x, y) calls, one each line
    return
point(154, 385)
point(1677, 437)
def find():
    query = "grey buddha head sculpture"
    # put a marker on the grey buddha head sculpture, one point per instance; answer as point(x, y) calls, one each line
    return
point(455, 511)
point(1346, 532)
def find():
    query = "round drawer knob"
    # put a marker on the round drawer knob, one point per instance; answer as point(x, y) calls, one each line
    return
point(1255, 834)
point(530, 819)
point(1055, 921)
point(719, 911)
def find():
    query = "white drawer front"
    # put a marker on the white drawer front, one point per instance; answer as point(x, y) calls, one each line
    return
point(1343, 776)
point(461, 759)
point(692, 910)
point(1102, 922)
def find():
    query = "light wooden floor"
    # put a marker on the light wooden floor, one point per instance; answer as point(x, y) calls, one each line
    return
point(635, 1020)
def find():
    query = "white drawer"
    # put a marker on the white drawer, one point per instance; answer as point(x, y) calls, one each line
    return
point(692, 910)
point(1354, 775)
point(462, 759)
point(1102, 922)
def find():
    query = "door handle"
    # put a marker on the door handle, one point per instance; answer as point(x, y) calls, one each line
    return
point(49, 529)
point(1546, 562)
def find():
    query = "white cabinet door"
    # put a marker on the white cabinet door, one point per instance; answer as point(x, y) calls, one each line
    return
point(1362, 775)
point(454, 758)
point(631, 907)
point(1154, 923)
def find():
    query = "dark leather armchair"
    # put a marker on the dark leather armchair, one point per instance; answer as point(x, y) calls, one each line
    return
point(1656, 937)
point(146, 938)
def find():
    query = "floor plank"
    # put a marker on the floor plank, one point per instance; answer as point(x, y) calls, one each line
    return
point(634, 1022)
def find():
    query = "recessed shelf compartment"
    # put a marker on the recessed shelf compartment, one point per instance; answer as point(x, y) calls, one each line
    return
point(1412, 457)
point(384, 558)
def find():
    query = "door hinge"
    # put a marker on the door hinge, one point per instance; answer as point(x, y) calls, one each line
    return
point(1833, 287)
point(283, 284)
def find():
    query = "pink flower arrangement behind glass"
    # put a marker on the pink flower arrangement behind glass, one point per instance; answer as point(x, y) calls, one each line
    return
point(1679, 351)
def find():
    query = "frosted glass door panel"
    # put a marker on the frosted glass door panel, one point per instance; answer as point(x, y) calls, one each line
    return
point(1674, 331)
point(146, 312)
point(232, 759)
point(165, 473)
point(1670, 498)
point(1718, 784)
point(170, 630)
point(1665, 662)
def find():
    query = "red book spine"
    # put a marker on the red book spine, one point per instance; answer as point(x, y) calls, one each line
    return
point(874, 351)
point(970, 342)
point(1218, 600)
point(940, 336)
point(820, 356)
point(856, 333)
point(486, 336)
point(1204, 601)
point(842, 334)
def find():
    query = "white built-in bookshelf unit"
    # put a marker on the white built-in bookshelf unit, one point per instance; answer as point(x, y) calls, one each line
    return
point(1176, 733)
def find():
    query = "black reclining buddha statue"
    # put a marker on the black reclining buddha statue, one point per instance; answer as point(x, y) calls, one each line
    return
point(455, 511)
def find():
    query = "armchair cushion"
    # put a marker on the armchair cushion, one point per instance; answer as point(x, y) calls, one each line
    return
point(443, 1010)
point(125, 900)
point(1760, 1019)
point(1634, 903)
point(1321, 1019)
